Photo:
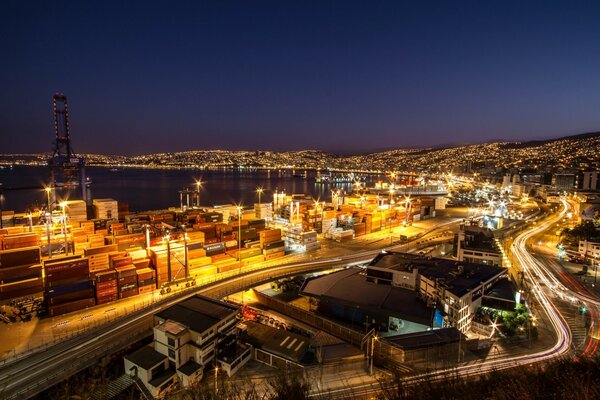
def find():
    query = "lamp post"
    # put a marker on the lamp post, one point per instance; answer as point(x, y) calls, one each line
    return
point(185, 252)
point(595, 270)
point(63, 205)
point(407, 207)
point(198, 185)
point(48, 223)
point(259, 192)
point(373, 339)
point(168, 239)
point(1, 200)
point(239, 210)
point(216, 381)
point(30, 218)
point(48, 190)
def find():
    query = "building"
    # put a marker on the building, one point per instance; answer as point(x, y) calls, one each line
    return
point(564, 182)
point(187, 338)
point(349, 296)
point(455, 288)
point(590, 248)
point(477, 245)
point(591, 181)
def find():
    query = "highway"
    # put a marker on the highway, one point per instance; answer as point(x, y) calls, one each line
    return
point(543, 283)
point(30, 375)
point(27, 376)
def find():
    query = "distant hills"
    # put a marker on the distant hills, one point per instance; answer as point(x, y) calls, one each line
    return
point(570, 152)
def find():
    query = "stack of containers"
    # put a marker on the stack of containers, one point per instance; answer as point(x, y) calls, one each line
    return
point(359, 229)
point(309, 241)
point(158, 256)
point(20, 273)
point(76, 210)
point(368, 221)
point(20, 240)
point(106, 287)
point(68, 285)
point(106, 209)
point(247, 235)
point(268, 236)
point(146, 279)
point(99, 257)
point(263, 211)
point(274, 250)
point(343, 235)
point(329, 226)
point(127, 281)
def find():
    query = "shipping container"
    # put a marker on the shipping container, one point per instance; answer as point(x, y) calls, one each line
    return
point(19, 257)
point(70, 307)
point(105, 276)
point(68, 297)
point(107, 299)
point(272, 245)
point(21, 288)
point(20, 273)
point(214, 249)
point(71, 287)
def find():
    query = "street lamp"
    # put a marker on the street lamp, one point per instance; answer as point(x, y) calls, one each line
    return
point(259, 192)
point(239, 210)
point(373, 339)
point(216, 382)
point(407, 207)
point(198, 185)
point(48, 190)
point(48, 223)
point(63, 205)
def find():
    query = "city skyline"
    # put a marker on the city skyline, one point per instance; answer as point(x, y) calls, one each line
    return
point(267, 76)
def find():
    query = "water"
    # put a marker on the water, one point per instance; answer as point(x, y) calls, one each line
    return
point(148, 189)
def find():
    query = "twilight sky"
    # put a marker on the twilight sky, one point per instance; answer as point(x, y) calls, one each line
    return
point(343, 76)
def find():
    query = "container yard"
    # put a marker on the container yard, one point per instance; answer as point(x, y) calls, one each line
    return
point(72, 262)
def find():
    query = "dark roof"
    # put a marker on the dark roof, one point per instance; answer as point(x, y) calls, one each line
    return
point(146, 357)
point(503, 289)
point(411, 341)
point(477, 238)
point(458, 281)
point(277, 341)
point(189, 368)
point(198, 312)
point(162, 377)
point(351, 287)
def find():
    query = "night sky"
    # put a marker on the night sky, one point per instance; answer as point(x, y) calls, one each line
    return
point(340, 76)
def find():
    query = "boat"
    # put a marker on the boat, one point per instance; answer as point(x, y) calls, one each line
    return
point(299, 175)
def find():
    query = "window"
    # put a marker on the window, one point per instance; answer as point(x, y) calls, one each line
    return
point(172, 354)
point(171, 342)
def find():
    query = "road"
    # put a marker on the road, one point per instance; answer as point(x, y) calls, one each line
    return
point(27, 376)
point(544, 285)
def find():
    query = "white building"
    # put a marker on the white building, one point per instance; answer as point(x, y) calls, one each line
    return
point(589, 249)
point(187, 338)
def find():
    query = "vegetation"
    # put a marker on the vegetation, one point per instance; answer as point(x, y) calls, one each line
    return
point(565, 379)
point(584, 231)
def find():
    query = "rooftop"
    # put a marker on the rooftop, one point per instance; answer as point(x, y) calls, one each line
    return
point(172, 327)
point(350, 286)
point(477, 238)
point(198, 313)
point(419, 340)
point(277, 341)
point(458, 277)
point(146, 357)
point(189, 368)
